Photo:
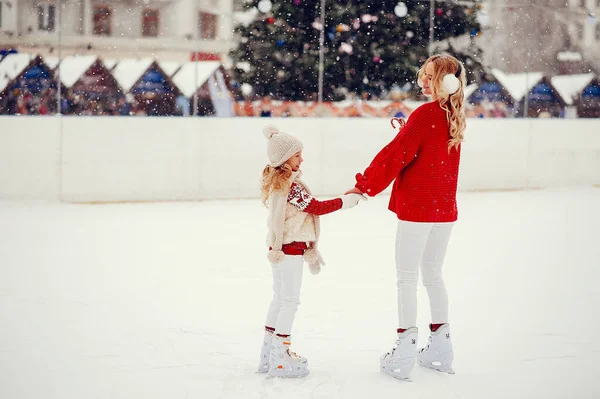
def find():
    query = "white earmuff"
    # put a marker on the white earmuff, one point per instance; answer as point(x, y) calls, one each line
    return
point(450, 83)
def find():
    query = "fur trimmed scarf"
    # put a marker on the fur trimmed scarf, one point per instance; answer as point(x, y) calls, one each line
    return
point(276, 223)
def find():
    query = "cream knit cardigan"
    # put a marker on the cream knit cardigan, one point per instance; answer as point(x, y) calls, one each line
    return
point(289, 224)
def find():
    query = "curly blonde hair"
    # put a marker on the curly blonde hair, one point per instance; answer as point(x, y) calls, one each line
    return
point(274, 179)
point(451, 103)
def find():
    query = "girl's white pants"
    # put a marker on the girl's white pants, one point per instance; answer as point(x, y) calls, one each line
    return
point(421, 246)
point(287, 281)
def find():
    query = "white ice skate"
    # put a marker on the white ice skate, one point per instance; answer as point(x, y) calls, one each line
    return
point(438, 353)
point(283, 363)
point(400, 361)
point(265, 350)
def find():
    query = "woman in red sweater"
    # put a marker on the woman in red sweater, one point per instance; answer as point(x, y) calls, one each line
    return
point(423, 160)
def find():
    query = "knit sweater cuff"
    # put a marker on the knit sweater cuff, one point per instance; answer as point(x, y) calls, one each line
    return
point(361, 184)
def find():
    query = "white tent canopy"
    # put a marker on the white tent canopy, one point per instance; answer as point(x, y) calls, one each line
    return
point(109, 62)
point(568, 86)
point(193, 75)
point(51, 61)
point(129, 71)
point(73, 67)
point(517, 84)
point(169, 67)
point(11, 66)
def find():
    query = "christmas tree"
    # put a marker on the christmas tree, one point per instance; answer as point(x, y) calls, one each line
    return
point(370, 45)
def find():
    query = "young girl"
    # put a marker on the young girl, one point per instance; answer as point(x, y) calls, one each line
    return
point(292, 239)
point(423, 160)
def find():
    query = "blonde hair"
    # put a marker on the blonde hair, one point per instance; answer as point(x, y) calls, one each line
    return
point(451, 103)
point(274, 179)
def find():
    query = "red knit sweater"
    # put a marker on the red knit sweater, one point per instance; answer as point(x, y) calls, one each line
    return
point(426, 172)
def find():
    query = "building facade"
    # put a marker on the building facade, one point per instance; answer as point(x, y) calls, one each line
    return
point(541, 35)
point(166, 29)
point(584, 29)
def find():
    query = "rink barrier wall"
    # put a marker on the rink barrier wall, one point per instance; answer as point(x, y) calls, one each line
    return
point(107, 159)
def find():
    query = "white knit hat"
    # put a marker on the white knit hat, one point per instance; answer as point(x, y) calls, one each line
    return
point(281, 146)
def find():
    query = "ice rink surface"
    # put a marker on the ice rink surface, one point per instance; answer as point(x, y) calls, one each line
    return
point(167, 301)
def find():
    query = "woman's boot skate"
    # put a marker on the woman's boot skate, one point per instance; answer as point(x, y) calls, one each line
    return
point(438, 353)
point(400, 361)
point(283, 363)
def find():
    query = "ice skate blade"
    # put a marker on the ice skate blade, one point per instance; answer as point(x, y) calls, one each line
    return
point(300, 373)
point(442, 368)
point(396, 375)
point(265, 369)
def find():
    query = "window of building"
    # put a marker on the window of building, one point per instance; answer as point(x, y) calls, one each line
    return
point(46, 16)
point(580, 31)
point(0, 14)
point(102, 20)
point(207, 23)
point(597, 31)
point(150, 23)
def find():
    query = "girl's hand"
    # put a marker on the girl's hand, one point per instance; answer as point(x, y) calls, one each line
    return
point(351, 200)
point(354, 190)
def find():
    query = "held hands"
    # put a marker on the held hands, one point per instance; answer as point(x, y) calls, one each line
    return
point(355, 190)
point(351, 200)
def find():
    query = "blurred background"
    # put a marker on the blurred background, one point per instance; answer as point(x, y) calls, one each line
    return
point(132, 253)
point(525, 58)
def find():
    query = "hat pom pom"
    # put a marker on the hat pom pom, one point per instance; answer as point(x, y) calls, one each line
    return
point(450, 83)
point(269, 131)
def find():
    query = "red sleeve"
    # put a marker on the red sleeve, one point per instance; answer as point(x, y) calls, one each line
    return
point(394, 157)
point(302, 200)
point(317, 207)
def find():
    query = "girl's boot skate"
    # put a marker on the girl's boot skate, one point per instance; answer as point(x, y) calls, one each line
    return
point(438, 353)
point(400, 361)
point(283, 363)
point(265, 351)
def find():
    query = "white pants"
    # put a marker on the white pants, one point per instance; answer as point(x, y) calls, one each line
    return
point(287, 281)
point(421, 245)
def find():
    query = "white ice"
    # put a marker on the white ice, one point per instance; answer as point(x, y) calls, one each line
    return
point(167, 300)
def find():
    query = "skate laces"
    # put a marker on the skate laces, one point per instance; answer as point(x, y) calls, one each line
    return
point(426, 348)
point(391, 353)
point(294, 355)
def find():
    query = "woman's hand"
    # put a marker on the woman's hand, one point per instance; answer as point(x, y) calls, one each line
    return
point(354, 190)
